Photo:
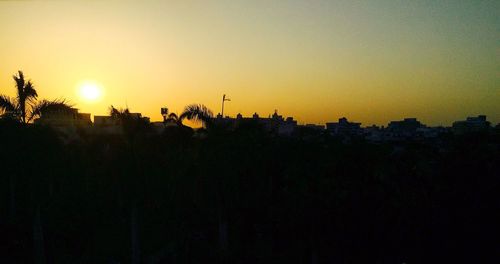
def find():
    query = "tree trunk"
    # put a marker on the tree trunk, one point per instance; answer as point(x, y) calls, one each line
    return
point(51, 185)
point(270, 218)
point(12, 198)
point(134, 234)
point(314, 224)
point(38, 242)
point(223, 233)
point(314, 250)
point(222, 225)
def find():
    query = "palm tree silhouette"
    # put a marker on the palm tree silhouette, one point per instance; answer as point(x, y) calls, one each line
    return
point(173, 118)
point(198, 113)
point(120, 114)
point(24, 107)
point(193, 112)
point(133, 126)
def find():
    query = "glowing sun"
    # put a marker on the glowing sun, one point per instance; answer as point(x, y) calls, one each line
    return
point(90, 91)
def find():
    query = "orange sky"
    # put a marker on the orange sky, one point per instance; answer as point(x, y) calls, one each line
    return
point(371, 61)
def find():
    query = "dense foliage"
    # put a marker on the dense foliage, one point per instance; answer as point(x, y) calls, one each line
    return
point(243, 196)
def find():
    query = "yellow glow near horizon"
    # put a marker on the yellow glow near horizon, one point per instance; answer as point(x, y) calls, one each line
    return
point(90, 91)
point(370, 61)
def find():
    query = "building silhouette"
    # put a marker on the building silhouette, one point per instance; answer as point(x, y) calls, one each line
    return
point(471, 125)
point(274, 124)
point(70, 121)
point(404, 129)
point(63, 118)
point(344, 128)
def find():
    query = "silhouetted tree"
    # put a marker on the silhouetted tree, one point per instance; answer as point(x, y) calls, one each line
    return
point(173, 118)
point(193, 112)
point(25, 106)
point(23, 109)
point(255, 196)
point(133, 126)
point(198, 113)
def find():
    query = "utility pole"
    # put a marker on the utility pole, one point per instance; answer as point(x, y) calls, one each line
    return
point(223, 100)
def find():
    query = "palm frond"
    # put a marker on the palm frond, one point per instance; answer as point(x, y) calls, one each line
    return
point(58, 105)
point(197, 113)
point(19, 79)
point(113, 111)
point(26, 94)
point(173, 116)
point(119, 113)
point(7, 104)
point(30, 92)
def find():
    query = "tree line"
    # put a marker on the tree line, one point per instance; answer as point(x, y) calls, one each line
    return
point(240, 196)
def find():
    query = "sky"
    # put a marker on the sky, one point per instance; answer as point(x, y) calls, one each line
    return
point(370, 61)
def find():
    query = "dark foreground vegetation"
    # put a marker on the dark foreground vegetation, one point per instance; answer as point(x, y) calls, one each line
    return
point(244, 197)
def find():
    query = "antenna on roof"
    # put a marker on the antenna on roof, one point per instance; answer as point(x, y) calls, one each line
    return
point(164, 113)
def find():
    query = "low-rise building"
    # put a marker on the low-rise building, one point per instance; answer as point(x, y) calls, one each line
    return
point(67, 122)
point(374, 133)
point(112, 125)
point(275, 124)
point(63, 118)
point(471, 125)
point(344, 128)
point(431, 132)
point(403, 129)
point(314, 127)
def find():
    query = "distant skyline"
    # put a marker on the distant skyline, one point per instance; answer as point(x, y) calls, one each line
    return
point(370, 61)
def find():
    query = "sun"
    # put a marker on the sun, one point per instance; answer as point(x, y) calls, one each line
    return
point(90, 91)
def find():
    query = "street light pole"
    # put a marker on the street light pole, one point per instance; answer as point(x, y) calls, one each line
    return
point(223, 100)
